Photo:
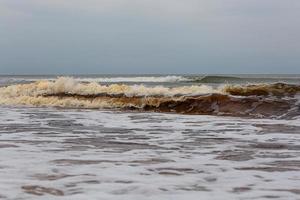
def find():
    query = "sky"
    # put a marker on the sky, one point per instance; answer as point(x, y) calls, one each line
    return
point(149, 36)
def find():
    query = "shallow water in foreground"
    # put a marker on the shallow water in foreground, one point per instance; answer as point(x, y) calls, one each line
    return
point(49, 153)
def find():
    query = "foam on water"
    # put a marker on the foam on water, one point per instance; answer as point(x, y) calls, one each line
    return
point(82, 154)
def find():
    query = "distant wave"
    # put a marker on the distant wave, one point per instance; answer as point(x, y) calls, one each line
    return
point(213, 79)
point(155, 79)
point(216, 79)
point(262, 100)
point(137, 79)
point(232, 79)
point(120, 79)
point(9, 81)
point(163, 79)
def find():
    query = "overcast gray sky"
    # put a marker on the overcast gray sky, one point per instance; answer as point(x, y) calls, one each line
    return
point(149, 36)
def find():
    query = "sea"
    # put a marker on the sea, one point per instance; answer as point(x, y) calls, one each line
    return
point(152, 137)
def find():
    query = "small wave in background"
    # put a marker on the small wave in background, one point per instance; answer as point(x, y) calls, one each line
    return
point(160, 79)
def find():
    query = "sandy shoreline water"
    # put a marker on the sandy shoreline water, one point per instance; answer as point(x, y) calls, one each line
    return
point(79, 154)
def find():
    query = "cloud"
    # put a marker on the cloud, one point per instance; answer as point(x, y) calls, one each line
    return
point(164, 8)
point(140, 33)
point(7, 11)
point(170, 11)
point(159, 6)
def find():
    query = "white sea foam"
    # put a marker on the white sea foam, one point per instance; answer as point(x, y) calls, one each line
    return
point(118, 155)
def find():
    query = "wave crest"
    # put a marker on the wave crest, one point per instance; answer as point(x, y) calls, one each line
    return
point(251, 100)
point(71, 86)
point(277, 89)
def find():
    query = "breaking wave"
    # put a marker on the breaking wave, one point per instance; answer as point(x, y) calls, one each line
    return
point(263, 100)
point(276, 89)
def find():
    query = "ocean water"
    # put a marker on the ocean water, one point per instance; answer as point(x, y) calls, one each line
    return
point(150, 137)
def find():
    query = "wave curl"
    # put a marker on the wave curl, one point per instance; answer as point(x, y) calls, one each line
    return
point(263, 100)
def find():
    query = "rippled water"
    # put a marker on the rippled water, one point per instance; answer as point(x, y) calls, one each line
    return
point(49, 153)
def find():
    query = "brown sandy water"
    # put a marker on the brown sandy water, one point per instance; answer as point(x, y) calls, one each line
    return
point(277, 100)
